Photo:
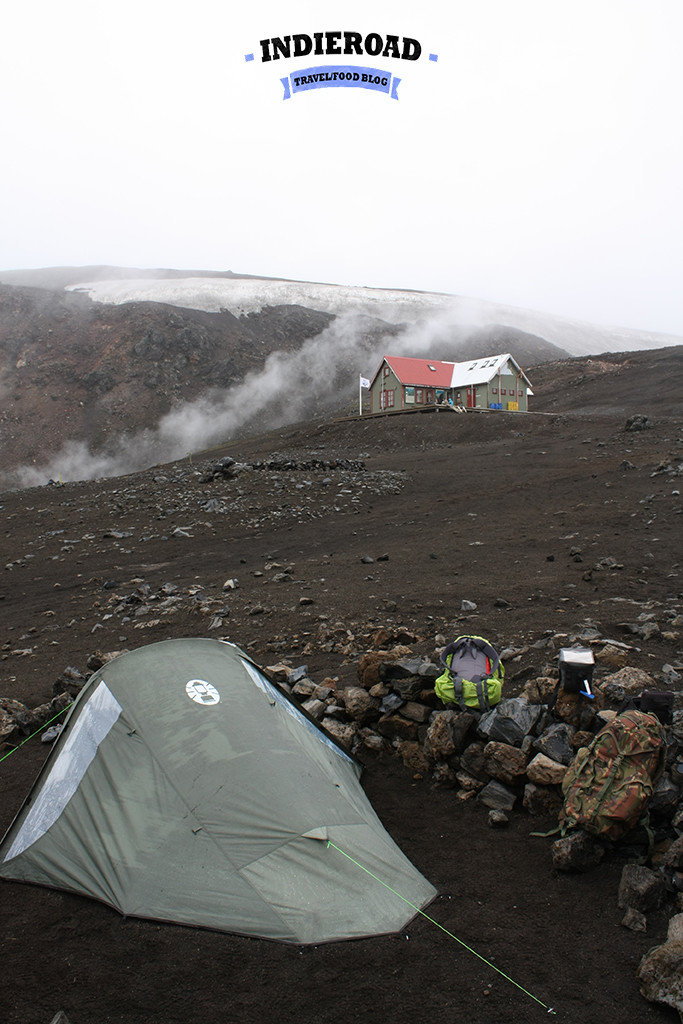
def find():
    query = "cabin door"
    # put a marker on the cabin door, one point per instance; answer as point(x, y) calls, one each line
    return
point(471, 398)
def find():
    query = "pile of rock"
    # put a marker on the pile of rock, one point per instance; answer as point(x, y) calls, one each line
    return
point(514, 755)
point(517, 754)
point(641, 890)
point(17, 721)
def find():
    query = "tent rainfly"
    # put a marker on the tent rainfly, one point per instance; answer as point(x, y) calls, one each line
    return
point(186, 787)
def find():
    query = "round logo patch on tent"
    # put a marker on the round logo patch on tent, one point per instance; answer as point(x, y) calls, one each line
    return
point(202, 692)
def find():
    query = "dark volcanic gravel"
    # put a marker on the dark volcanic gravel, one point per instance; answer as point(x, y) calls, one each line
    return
point(548, 523)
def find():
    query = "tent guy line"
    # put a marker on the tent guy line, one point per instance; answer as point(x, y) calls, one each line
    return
point(30, 737)
point(443, 929)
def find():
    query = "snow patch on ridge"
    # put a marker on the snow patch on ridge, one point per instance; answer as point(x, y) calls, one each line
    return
point(250, 295)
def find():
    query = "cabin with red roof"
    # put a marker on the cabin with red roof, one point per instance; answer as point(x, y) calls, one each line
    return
point(494, 382)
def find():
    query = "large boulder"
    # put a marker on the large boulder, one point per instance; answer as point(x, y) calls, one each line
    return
point(660, 974)
point(402, 668)
point(408, 687)
point(370, 664)
point(343, 732)
point(510, 721)
point(540, 690)
point(473, 761)
point(397, 727)
point(16, 720)
point(613, 654)
point(673, 858)
point(556, 743)
point(576, 852)
point(544, 771)
point(641, 888)
point(504, 762)
point(446, 733)
point(413, 757)
point(497, 797)
point(665, 797)
point(360, 705)
point(541, 801)
point(627, 682)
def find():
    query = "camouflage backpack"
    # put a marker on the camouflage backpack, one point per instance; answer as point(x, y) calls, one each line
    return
point(609, 783)
point(473, 676)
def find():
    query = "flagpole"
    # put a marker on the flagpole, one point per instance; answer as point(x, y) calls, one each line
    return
point(363, 382)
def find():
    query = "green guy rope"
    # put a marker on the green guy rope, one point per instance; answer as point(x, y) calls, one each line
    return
point(14, 749)
point(450, 934)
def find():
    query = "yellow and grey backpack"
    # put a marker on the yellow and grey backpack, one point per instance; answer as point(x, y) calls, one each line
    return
point(473, 676)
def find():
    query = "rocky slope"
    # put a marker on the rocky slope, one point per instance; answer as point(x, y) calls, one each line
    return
point(103, 379)
point(242, 293)
point(327, 544)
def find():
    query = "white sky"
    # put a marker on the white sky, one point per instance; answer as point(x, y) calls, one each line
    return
point(539, 162)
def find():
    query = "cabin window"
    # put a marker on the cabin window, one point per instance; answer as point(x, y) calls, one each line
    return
point(502, 391)
point(387, 399)
point(386, 371)
point(495, 391)
point(430, 397)
point(410, 396)
point(419, 396)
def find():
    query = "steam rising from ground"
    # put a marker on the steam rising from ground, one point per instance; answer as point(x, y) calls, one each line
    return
point(317, 378)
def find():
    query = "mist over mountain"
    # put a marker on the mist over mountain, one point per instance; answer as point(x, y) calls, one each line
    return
point(212, 291)
point(106, 370)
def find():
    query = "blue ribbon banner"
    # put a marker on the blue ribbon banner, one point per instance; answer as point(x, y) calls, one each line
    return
point(336, 76)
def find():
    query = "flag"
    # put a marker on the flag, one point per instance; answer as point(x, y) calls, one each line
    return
point(364, 382)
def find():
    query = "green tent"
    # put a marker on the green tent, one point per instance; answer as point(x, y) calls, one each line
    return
point(186, 787)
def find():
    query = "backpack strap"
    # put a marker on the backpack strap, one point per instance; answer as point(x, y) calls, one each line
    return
point(554, 695)
point(559, 830)
point(482, 693)
point(446, 658)
point(645, 823)
point(492, 658)
point(457, 691)
point(461, 644)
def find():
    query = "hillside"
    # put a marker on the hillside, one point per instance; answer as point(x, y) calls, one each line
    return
point(105, 370)
point(425, 313)
point(627, 383)
point(331, 539)
point(74, 370)
point(92, 388)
